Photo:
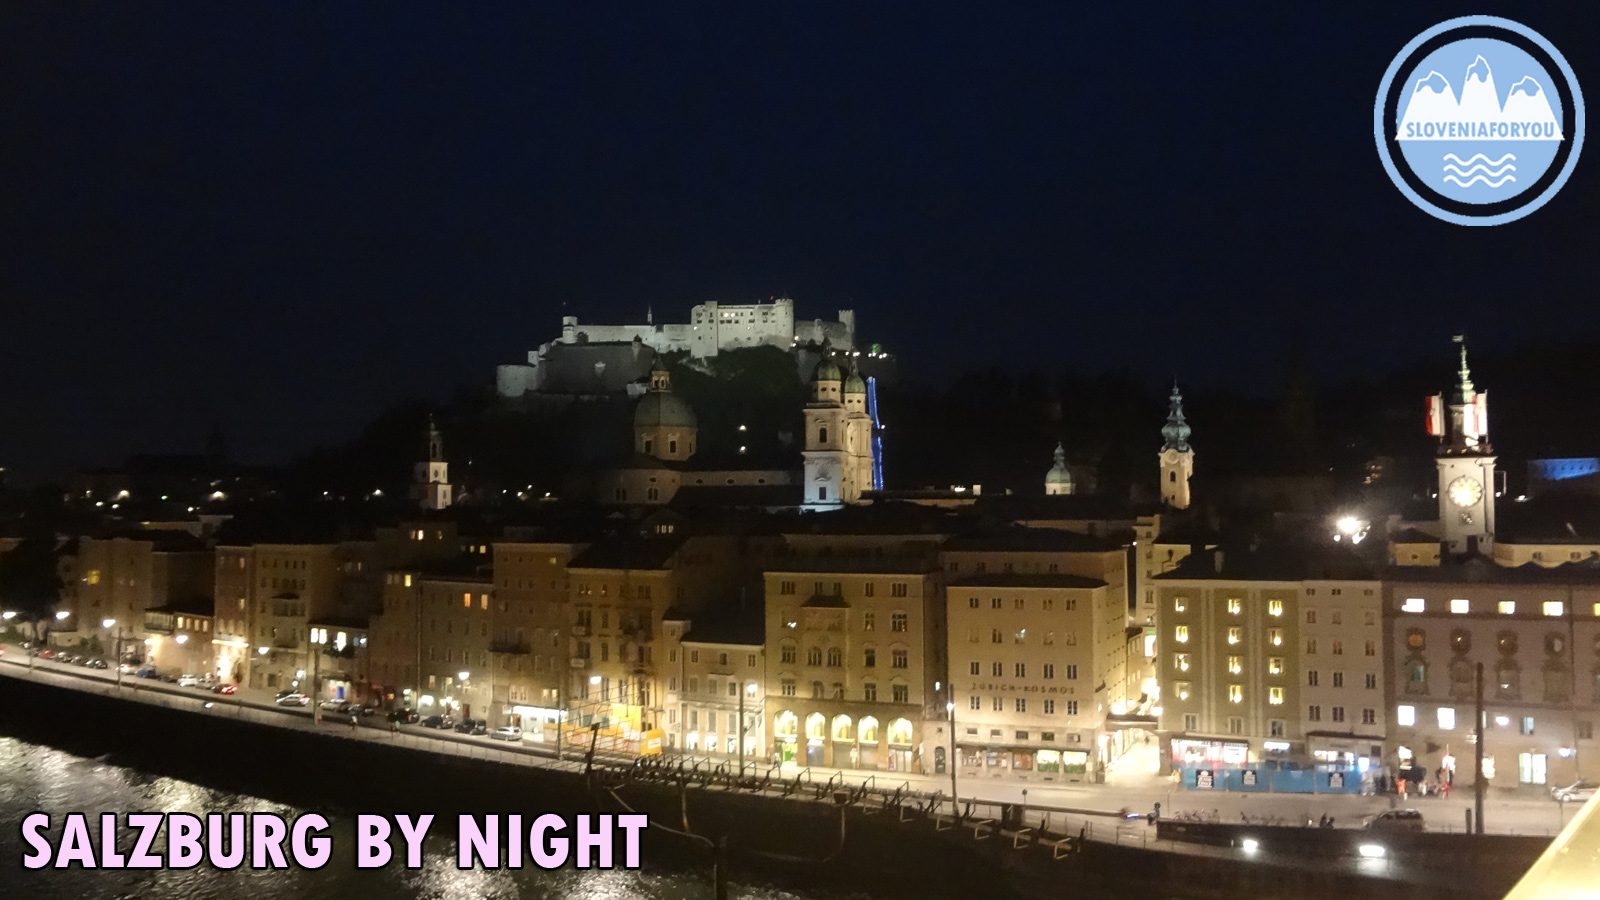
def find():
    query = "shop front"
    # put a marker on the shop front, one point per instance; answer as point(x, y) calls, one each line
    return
point(1044, 763)
point(1191, 752)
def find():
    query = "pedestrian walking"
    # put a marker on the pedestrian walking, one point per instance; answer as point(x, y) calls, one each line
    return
point(352, 722)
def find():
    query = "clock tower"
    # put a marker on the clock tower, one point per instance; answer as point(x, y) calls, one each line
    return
point(1466, 464)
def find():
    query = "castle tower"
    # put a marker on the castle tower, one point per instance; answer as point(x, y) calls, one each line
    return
point(1058, 481)
point(1466, 464)
point(432, 474)
point(664, 426)
point(1177, 457)
point(827, 466)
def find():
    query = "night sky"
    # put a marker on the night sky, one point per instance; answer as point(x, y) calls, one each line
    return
point(285, 217)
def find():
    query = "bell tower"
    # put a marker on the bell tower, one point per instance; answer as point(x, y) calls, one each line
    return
point(1466, 464)
point(1177, 457)
point(829, 475)
point(432, 474)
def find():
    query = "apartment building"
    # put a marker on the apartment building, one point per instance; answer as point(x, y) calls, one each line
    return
point(1271, 653)
point(856, 659)
point(1031, 657)
point(119, 577)
point(717, 695)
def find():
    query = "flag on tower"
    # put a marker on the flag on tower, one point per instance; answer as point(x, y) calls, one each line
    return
point(1436, 415)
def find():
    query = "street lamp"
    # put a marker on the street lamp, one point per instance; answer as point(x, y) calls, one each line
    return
point(111, 623)
point(950, 710)
point(462, 677)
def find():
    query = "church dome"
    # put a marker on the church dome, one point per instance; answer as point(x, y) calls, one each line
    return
point(828, 370)
point(1058, 475)
point(855, 384)
point(662, 409)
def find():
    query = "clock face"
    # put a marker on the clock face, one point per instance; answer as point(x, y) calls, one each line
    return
point(1465, 491)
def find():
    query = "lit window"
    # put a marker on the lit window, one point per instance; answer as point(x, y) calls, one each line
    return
point(1275, 637)
point(1235, 664)
point(1180, 604)
point(1413, 605)
point(1275, 665)
point(1507, 607)
point(1447, 718)
point(1235, 634)
point(1274, 607)
point(1597, 609)
point(1181, 688)
point(1235, 693)
point(1234, 606)
point(1275, 696)
point(1180, 661)
point(1460, 607)
point(1406, 716)
point(1554, 608)
point(1181, 634)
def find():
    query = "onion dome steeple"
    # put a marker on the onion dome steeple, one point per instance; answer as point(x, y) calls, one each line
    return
point(1176, 431)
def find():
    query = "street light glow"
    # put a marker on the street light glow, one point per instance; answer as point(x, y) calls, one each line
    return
point(463, 675)
point(594, 679)
point(107, 623)
point(1250, 845)
point(949, 707)
point(61, 616)
point(182, 639)
point(1371, 851)
point(8, 615)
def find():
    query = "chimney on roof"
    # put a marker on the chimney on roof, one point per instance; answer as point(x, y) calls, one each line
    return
point(1216, 561)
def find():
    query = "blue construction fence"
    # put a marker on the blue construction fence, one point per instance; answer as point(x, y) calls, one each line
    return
point(1273, 778)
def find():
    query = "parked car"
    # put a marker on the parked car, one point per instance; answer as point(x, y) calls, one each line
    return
point(47, 654)
point(67, 659)
point(146, 672)
point(370, 709)
point(1395, 820)
point(188, 680)
point(294, 698)
point(332, 703)
point(225, 688)
point(473, 726)
point(96, 664)
point(438, 722)
point(403, 716)
point(508, 733)
point(1576, 791)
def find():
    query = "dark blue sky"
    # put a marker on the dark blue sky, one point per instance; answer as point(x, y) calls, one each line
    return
point(284, 217)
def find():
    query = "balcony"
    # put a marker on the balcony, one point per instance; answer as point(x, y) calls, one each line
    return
point(580, 631)
point(580, 662)
point(283, 642)
point(520, 648)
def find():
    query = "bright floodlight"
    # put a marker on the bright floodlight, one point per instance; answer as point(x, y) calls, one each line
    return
point(62, 615)
point(1349, 525)
point(1249, 844)
point(1371, 851)
point(107, 623)
point(261, 650)
point(594, 679)
point(182, 639)
point(8, 615)
point(463, 675)
point(949, 707)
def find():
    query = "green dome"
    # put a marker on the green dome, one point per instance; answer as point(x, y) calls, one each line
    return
point(828, 370)
point(855, 384)
point(661, 409)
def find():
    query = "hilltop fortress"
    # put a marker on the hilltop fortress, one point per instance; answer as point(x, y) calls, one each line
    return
point(712, 328)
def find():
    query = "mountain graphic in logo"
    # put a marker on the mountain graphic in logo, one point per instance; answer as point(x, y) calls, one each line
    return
point(1433, 112)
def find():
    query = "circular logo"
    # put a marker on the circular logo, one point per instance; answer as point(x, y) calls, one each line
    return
point(1479, 121)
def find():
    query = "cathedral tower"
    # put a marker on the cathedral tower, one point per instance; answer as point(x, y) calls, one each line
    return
point(826, 453)
point(1466, 464)
point(664, 426)
point(1177, 457)
point(432, 474)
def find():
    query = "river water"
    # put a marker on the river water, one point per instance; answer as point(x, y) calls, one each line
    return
point(39, 779)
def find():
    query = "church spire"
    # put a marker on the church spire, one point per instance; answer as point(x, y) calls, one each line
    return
point(1176, 431)
point(1464, 388)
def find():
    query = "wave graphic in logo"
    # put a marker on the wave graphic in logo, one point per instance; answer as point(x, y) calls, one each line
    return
point(1483, 129)
point(1493, 177)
